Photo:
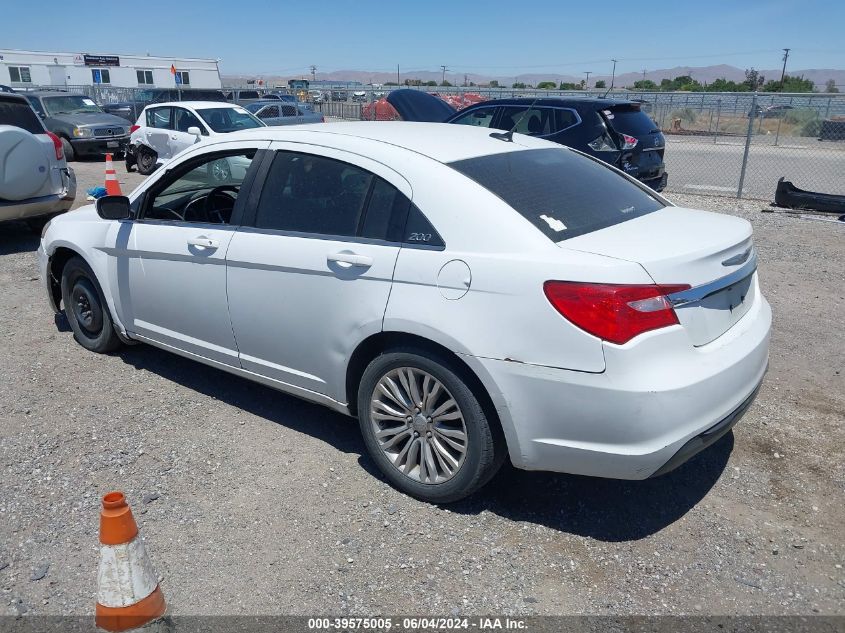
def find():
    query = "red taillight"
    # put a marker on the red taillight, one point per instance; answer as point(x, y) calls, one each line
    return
point(132, 128)
point(615, 313)
point(57, 145)
point(628, 142)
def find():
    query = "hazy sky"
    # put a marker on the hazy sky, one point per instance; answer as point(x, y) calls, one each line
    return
point(492, 37)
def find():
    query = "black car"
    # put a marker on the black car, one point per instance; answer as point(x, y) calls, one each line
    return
point(131, 110)
point(616, 131)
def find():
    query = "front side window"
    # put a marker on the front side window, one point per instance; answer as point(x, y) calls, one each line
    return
point(20, 75)
point(481, 117)
point(526, 120)
point(313, 194)
point(185, 119)
point(71, 104)
point(561, 193)
point(145, 77)
point(289, 110)
point(269, 112)
point(203, 191)
point(229, 119)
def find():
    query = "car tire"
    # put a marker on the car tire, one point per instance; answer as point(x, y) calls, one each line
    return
point(443, 467)
point(67, 148)
point(86, 309)
point(145, 160)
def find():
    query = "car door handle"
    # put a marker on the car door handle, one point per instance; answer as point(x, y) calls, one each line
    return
point(350, 258)
point(203, 242)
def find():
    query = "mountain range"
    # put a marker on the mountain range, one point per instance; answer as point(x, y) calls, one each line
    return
point(703, 74)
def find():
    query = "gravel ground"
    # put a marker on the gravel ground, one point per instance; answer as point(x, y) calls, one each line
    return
point(251, 501)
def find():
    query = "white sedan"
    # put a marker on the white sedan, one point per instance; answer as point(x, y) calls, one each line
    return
point(470, 297)
point(165, 129)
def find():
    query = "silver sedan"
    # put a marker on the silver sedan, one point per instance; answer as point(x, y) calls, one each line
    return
point(280, 113)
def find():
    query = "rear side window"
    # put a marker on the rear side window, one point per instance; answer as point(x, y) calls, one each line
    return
point(560, 192)
point(21, 115)
point(158, 118)
point(631, 120)
point(525, 120)
point(564, 119)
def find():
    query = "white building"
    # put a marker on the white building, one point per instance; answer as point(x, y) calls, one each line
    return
point(22, 69)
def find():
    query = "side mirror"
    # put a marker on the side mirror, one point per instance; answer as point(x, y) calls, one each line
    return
point(195, 131)
point(113, 208)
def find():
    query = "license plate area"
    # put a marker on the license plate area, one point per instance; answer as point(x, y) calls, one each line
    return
point(112, 144)
point(707, 319)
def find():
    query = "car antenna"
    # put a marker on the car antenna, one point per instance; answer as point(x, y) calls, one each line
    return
point(508, 136)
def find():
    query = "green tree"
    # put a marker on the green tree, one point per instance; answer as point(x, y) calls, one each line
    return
point(430, 83)
point(601, 83)
point(494, 84)
point(830, 86)
point(547, 85)
point(789, 84)
point(753, 79)
point(723, 85)
point(566, 85)
point(518, 85)
point(642, 84)
point(445, 82)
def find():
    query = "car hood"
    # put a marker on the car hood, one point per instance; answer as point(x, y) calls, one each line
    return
point(90, 119)
point(416, 105)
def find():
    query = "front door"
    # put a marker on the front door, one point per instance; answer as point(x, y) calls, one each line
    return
point(180, 138)
point(311, 276)
point(170, 263)
point(58, 76)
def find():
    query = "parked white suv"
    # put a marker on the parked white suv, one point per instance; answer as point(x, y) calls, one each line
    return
point(165, 129)
point(35, 181)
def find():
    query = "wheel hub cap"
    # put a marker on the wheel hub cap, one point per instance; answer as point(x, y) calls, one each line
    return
point(418, 425)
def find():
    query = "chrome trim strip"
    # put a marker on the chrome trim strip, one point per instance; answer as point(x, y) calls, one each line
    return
point(703, 291)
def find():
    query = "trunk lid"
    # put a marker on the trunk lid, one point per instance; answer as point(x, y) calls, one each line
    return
point(711, 252)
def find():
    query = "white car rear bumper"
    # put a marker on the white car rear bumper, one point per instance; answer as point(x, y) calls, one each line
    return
point(654, 401)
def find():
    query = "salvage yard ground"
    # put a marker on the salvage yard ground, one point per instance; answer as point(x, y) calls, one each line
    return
point(251, 501)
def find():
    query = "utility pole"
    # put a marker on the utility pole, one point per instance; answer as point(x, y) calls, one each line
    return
point(643, 74)
point(588, 73)
point(397, 75)
point(313, 72)
point(444, 69)
point(465, 80)
point(783, 72)
point(613, 74)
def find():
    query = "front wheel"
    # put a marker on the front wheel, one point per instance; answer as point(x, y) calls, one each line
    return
point(424, 427)
point(86, 309)
point(145, 159)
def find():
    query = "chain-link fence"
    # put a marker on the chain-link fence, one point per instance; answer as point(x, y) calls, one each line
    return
point(731, 144)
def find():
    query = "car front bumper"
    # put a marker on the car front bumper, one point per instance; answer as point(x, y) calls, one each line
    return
point(99, 146)
point(659, 401)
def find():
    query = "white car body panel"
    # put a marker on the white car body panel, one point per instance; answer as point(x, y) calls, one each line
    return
point(273, 306)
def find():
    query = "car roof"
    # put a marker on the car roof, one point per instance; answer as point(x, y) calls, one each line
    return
point(596, 102)
point(13, 96)
point(263, 102)
point(440, 142)
point(196, 105)
point(53, 93)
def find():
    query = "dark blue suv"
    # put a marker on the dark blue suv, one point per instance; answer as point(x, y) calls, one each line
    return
point(616, 131)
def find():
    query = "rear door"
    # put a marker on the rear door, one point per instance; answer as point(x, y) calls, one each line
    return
point(158, 125)
point(311, 276)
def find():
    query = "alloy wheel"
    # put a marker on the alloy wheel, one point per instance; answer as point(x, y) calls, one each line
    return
point(418, 425)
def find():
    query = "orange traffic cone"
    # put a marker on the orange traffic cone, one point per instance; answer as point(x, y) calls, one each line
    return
point(128, 595)
point(112, 185)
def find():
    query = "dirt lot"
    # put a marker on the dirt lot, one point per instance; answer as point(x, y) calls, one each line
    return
point(251, 501)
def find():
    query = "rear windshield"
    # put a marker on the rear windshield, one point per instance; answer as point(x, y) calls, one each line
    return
point(560, 192)
point(631, 120)
point(20, 114)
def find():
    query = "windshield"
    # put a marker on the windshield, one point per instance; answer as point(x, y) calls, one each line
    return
point(229, 119)
point(71, 104)
point(562, 193)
